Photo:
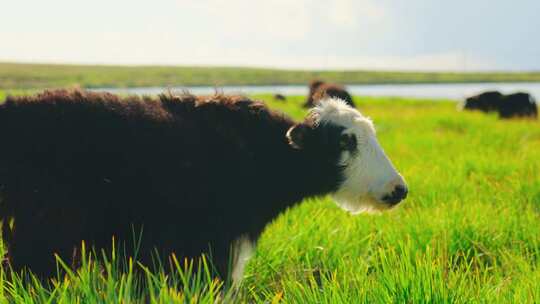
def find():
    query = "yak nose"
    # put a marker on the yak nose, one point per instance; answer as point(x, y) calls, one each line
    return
point(399, 194)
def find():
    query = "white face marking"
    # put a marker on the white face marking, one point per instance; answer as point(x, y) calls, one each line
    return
point(370, 177)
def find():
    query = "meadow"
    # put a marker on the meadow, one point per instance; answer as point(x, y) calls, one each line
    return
point(25, 76)
point(468, 232)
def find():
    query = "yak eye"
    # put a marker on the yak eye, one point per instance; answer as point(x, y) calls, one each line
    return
point(347, 142)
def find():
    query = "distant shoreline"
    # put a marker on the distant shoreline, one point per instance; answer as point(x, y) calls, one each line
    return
point(35, 76)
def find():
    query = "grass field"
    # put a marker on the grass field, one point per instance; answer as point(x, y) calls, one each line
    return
point(468, 233)
point(24, 76)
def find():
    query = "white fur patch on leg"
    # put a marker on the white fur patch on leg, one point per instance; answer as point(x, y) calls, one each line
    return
point(243, 250)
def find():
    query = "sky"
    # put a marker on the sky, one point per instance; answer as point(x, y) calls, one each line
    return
point(457, 35)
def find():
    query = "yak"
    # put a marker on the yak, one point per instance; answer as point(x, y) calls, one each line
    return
point(193, 174)
point(318, 90)
point(518, 105)
point(280, 97)
point(485, 102)
point(507, 106)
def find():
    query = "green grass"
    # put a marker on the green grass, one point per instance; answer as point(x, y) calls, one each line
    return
point(23, 76)
point(468, 233)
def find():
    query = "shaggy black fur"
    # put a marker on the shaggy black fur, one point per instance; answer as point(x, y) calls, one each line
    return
point(195, 173)
point(508, 106)
point(319, 89)
point(485, 102)
point(280, 97)
point(518, 105)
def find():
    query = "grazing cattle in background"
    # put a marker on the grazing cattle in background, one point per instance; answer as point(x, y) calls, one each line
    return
point(318, 90)
point(313, 86)
point(507, 106)
point(280, 97)
point(485, 102)
point(197, 174)
point(518, 105)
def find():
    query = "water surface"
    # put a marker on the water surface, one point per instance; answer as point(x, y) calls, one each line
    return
point(455, 91)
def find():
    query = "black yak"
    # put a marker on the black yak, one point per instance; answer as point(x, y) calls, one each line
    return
point(518, 105)
point(318, 90)
point(194, 174)
point(507, 106)
point(280, 97)
point(485, 102)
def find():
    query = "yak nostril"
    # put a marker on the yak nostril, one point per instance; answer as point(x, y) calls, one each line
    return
point(400, 192)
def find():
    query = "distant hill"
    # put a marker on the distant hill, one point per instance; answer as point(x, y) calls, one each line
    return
point(26, 76)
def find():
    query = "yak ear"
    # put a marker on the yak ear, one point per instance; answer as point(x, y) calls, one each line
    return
point(296, 136)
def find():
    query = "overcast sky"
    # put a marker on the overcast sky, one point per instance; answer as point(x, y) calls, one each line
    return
point(345, 34)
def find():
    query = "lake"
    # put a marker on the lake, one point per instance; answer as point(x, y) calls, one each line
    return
point(456, 91)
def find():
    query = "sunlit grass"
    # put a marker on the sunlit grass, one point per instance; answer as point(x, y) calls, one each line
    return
point(468, 232)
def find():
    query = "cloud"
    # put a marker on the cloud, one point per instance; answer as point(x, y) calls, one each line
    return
point(345, 34)
point(349, 14)
point(450, 61)
point(274, 19)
